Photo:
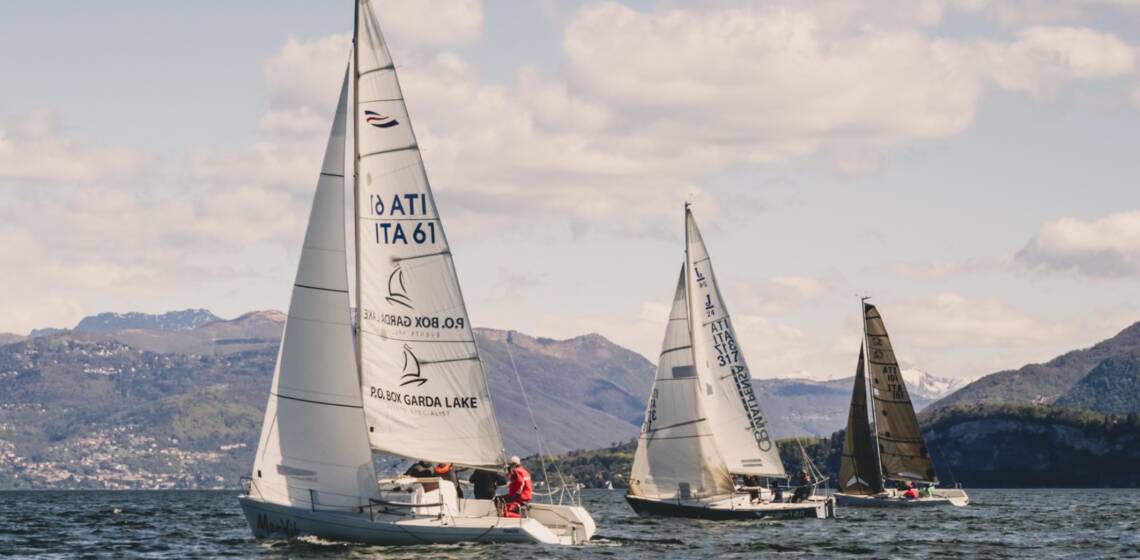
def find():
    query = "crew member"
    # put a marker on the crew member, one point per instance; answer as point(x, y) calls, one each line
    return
point(803, 488)
point(447, 472)
point(911, 493)
point(520, 490)
point(420, 469)
point(777, 490)
point(485, 483)
point(753, 485)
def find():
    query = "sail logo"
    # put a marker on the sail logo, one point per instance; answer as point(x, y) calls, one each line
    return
point(379, 121)
point(412, 373)
point(701, 280)
point(397, 290)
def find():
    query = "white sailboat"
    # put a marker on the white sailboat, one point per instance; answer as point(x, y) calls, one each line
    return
point(408, 381)
point(703, 423)
point(891, 449)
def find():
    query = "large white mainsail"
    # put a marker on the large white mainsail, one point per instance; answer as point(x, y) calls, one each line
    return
point(313, 450)
point(424, 388)
point(740, 429)
point(675, 452)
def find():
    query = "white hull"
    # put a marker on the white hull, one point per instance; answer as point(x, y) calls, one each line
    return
point(942, 497)
point(476, 522)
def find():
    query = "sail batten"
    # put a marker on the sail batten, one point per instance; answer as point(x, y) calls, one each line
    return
point(740, 428)
point(424, 386)
point(903, 454)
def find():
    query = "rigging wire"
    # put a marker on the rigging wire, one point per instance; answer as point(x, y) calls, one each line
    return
point(533, 422)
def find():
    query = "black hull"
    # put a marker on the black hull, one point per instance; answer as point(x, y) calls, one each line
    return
point(805, 510)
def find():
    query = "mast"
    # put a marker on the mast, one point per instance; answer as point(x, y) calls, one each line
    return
point(867, 381)
point(688, 288)
point(355, 85)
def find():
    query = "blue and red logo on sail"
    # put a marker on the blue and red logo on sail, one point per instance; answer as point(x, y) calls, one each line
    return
point(379, 121)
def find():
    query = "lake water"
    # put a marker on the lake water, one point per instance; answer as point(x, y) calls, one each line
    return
point(1036, 524)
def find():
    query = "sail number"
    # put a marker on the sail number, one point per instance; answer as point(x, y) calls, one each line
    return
point(728, 354)
point(406, 205)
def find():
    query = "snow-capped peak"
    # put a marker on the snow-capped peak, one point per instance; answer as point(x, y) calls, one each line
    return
point(922, 384)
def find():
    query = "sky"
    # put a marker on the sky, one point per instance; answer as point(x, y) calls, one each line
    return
point(970, 164)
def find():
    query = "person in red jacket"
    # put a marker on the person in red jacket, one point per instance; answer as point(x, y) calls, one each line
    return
point(520, 489)
point(910, 493)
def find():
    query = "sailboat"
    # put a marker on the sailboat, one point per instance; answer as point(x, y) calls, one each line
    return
point(703, 423)
point(407, 381)
point(892, 448)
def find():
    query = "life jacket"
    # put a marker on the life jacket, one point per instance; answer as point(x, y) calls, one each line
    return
point(520, 484)
point(442, 469)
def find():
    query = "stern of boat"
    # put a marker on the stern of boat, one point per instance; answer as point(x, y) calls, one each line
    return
point(570, 524)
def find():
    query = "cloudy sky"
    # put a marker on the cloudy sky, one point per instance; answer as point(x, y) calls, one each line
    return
point(971, 164)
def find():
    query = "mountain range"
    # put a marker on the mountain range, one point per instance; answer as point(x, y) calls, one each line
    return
point(1066, 380)
point(176, 400)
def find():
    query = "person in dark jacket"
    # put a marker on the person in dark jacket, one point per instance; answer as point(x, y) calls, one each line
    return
point(803, 488)
point(485, 483)
point(777, 490)
point(421, 469)
point(753, 485)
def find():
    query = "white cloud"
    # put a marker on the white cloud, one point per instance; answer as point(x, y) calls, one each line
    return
point(1045, 58)
point(1108, 246)
point(433, 22)
point(1022, 13)
point(938, 269)
point(308, 73)
point(33, 149)
point(953, 320)
point(24, 315)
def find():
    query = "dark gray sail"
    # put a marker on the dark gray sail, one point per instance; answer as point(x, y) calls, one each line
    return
point(902, 451)
point(859, 469)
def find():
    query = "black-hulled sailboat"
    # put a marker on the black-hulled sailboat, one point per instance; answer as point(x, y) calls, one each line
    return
point(704, 424)
point(891, 449)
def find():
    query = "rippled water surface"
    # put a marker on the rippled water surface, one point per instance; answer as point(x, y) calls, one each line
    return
point(1036, 524)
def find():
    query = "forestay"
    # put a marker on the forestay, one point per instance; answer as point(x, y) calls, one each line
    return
point(859, 469)
point(313, 450)
point(902, 450)
point(676, 456)
point(743, 438)
point(424, 388)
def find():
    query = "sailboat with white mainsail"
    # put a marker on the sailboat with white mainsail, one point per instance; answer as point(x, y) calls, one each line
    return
point(703, 423)
point(407, 381)
point(892, 448)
